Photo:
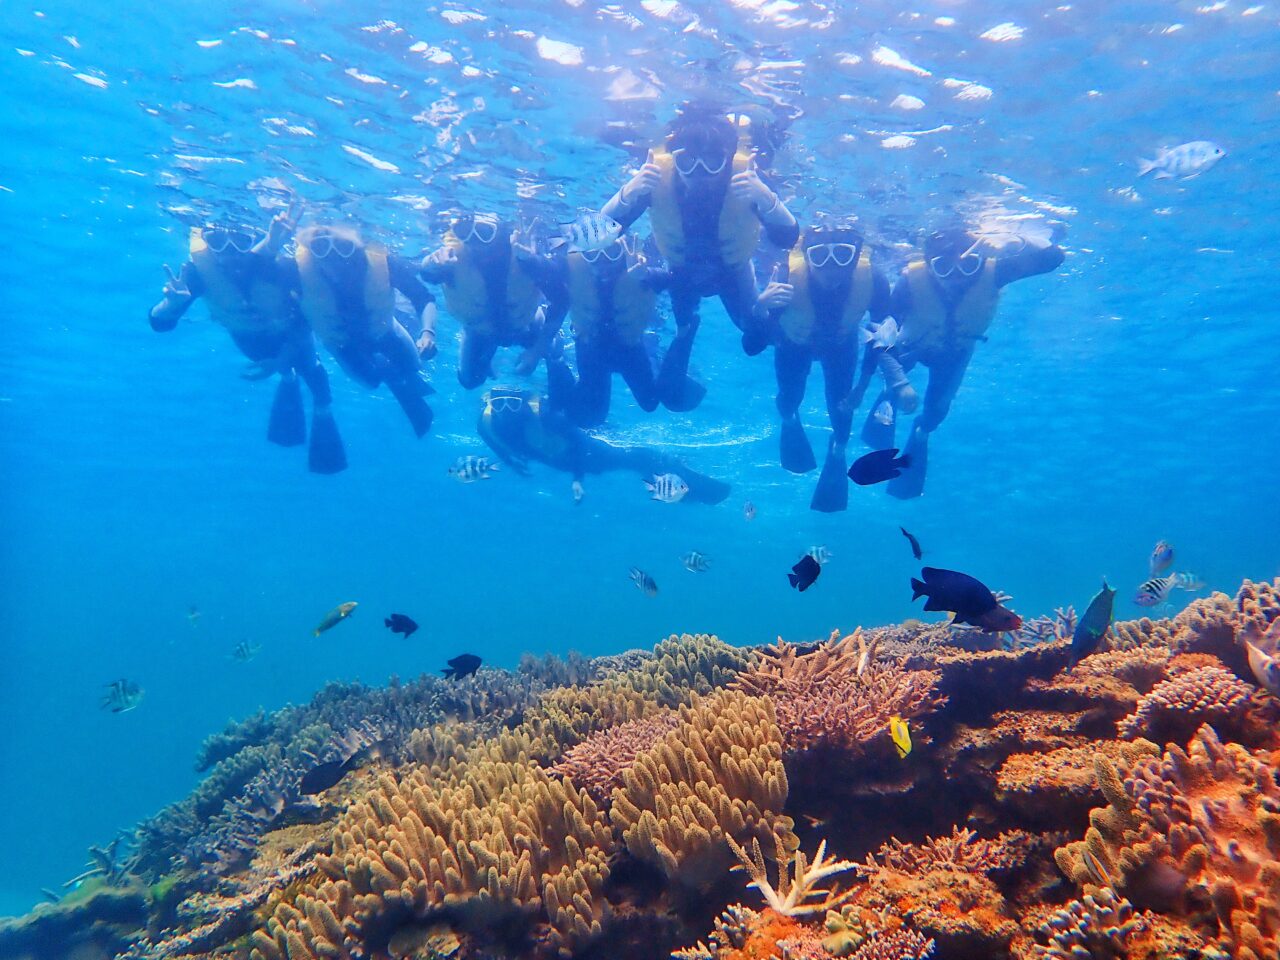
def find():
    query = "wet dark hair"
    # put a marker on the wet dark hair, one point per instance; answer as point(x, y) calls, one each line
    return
point(950, 240)
point(703, 131)
point(839, 232)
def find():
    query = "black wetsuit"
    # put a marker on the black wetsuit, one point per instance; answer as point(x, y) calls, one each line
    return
point(292, 349)
point(605, 350)
point(475, 358)
point(704, 272)
point(546, 436)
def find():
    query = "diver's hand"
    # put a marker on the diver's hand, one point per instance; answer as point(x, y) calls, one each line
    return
point(175, 286)
point(282, 227)
point(642, 184)
point(522, 245)
point(528, 361)
point(775, 295)
point(426, 344)
point(749, 188)
point(906, 399)
point(577, 492)
point(444, 257)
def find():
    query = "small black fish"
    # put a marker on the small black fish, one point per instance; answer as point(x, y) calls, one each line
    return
point(399, 623)
point(804, 573)
point(967, 598)
point(461, 666)
point(878, 466)
point(915, 544)
point(323, 776)
point(1094, 625)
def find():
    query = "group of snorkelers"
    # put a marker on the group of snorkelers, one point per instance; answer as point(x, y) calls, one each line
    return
point(709, 203)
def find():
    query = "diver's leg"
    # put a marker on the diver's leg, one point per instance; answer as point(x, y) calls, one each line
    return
point(738, 294)
point(475, 359)
point(326, 453)
point(632, 361)
point(791, 365)
point(675, 388)
point(831, 495)
point(945, 377)
point(590, 404)
point(649, 462)
point(287, 424)
point(870, 361)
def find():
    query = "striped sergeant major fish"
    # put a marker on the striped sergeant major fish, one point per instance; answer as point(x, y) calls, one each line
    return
point(644, 583)
point(1156, 590)
point(470, 469)
point(590, 232)
point(667, 487)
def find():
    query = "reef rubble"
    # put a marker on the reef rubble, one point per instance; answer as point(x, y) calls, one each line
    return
point(710, 802)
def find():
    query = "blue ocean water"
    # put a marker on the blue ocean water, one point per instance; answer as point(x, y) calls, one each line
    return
point(1127, 397)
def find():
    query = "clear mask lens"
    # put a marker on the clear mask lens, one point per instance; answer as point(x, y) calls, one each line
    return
point(687, 165)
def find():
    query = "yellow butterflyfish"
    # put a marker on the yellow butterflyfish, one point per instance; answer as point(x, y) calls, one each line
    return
point(900, 735)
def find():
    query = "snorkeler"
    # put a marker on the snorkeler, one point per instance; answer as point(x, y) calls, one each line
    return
point(706, 205)
point(347, 290)
point(815, 302)
point(944, 302)
point(519, 426)
point(494, 297)
point(612, 296)
point(235, 270)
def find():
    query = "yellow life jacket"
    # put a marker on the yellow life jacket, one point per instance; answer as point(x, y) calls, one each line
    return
point(466, 295)
point(797, 320)
point(929, 326)
point(739, 226)
point(633, 303)
point(320, 306)
point(263, 308)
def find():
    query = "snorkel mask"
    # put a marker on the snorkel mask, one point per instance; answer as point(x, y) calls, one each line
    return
point(236, 239)
point(831, 252)
point(953, 254)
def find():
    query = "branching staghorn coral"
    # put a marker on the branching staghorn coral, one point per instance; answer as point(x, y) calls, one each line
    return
point(901, 944)
point(960, 851)
point(835, 697)
point(1099, 927)
point(797, 893)
point(598, 763)
point(717, 776)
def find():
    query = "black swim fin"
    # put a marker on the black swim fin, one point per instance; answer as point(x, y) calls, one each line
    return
point(795, 452)
point(288, 424)
point(326, 453)
point(684, 396)
point(909, 484)
point(410, 398)
point(831, 495)
point(705, 489)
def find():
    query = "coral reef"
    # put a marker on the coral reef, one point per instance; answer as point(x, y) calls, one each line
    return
point(598, 763)
point(716, 777)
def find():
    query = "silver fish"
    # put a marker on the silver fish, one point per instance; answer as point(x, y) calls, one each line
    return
point(1156, 590)
point(644, 583)
point(820, 553)
point(590, 232)
point(696, 562)
point(667, 487)
point(1265, 667)
point(122, 696)
point(245, 651)
point(883, 336)
point(884, 413)
point(1161, 557)
point(1186, 160)
point(748, 511)
point(470, 469)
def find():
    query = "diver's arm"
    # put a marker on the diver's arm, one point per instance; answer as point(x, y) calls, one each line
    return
point(632, 199)
point(180, 291)
point(881, 304)
point(494, 441)
point(437, 267)
point(279, 230)
point(779, 225)
point(405, 278)
point(1031, 260)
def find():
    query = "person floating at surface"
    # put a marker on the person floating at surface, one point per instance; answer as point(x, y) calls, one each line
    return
point(944, 303)
point(612, 297)
point(235, 271)
point(520, 426)
point(347, 290)
point(494, 297)
point(815, 302)
point(706, 205)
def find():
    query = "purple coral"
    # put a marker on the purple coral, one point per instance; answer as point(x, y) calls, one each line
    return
point(1098, 926)
point(899, 945)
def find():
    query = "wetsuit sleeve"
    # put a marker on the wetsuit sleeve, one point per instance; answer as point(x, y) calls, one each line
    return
point(783, 235)
point(404, 277)
point(164, 316)
point(437, 273)
point(881, 304)
point(626, 213)
point(657, 279)
point(1028, 263)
